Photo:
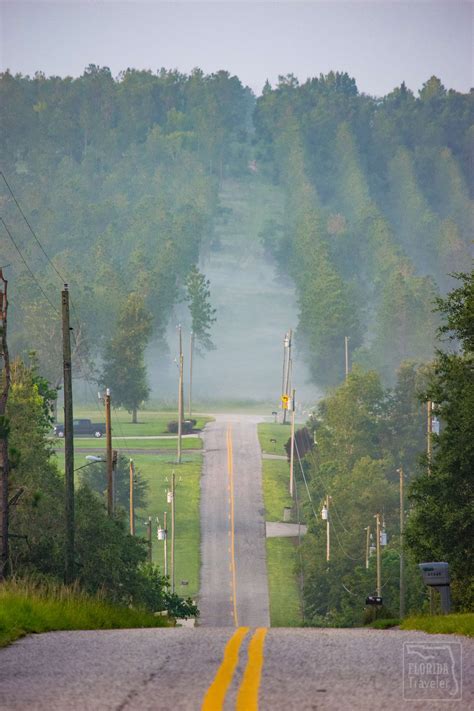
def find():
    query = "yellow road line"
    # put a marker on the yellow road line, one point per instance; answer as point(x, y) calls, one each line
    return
point(230, 468)
point(215, 696)
point(247, 698)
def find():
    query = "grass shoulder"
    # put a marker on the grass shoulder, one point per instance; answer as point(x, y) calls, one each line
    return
point(273, 437)
point(456, 623)
point(285, 606)
point(25, 610)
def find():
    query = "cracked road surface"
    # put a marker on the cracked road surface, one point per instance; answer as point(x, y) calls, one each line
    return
point(213, 668)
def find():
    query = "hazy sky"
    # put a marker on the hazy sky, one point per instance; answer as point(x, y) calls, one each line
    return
point(380, 43)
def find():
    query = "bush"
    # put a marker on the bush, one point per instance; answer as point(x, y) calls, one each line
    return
point(188, 426)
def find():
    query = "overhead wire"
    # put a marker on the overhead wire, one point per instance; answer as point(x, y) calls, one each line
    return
point(314, 512)
point(38, 241)
point(30, 271)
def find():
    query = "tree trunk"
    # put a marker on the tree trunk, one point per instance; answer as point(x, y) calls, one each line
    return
point(134, 416)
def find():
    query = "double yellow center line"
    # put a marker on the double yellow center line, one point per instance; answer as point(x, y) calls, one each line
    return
point(247, 697)
point(230, 470)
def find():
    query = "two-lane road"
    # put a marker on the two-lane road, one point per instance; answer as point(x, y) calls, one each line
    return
point(234, 588)
point(213, 668)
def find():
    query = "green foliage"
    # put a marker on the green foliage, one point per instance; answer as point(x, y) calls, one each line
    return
point(202, 313)
point(363, 433)
point(108, 559)
point(376, 215)
point(124, 368)
point(95, 476)
point(441, 526)
point(180, 608)
point(119, 178)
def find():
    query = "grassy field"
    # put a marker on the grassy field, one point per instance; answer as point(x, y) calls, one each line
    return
point(285, 604)
point(459, 623)
point(25, 608)
point(157, 469)
point(123, 444)
point(150, 422)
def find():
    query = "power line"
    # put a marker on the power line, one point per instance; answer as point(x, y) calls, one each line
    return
point(30, 228)
point(314, 512)
point(28, 267)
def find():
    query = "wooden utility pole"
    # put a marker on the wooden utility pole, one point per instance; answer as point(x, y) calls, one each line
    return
point(328, 532)
point(379, 561)
point(173, 509)
point(4, 429)
point(346, 353)
point(367, 548)
point(132, 507)
point(402, 558)
point(429, 432)
point(68, 438)
point(191, 353)
point(149, 540)
point(288, 364)
point(180, 395)
point(292, 446)
point(109, 455)
point(165, 544)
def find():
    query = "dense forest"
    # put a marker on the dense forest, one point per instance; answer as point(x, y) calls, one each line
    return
point(120, 179)
point(378, 213)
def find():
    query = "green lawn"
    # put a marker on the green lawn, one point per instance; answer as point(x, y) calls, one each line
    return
point(123, 444)
point(459, 623)
point(268, 431)
point(25, 609)
point(149, 422)
point(276, 479)
point(157, 470)
point(285, 607)
point(285, 604)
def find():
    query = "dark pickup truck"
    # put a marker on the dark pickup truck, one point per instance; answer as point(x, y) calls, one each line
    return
point(82, 427)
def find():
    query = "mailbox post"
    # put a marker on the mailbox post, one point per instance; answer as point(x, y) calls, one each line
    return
point(436, 575)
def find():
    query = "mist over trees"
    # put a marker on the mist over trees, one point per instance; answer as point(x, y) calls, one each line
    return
point(121, 178)
point(378, 212)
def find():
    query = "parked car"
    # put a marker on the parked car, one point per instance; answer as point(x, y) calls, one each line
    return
point(82, 427)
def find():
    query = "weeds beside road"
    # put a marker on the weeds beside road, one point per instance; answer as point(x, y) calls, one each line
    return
point(27, 607)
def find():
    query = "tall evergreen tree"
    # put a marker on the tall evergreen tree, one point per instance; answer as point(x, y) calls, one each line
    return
point(124, 369)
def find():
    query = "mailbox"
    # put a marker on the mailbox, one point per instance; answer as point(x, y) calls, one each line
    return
point(435, 574)
point(373, 600)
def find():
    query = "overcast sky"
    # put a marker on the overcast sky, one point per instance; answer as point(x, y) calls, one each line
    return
point(380, 43)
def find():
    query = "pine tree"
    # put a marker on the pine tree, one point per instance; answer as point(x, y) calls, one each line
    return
point(124, 369)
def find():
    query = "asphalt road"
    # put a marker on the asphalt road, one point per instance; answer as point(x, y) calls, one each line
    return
point(234, 588)
point(179, 669)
